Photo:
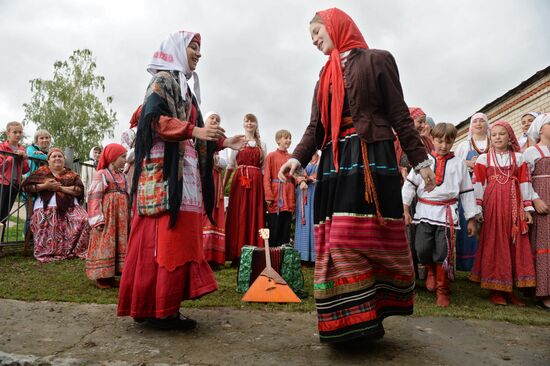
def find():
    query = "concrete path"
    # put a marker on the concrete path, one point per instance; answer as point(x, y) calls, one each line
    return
point(42, 333)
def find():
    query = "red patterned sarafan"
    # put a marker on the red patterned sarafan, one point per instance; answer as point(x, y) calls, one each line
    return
point(164, 56)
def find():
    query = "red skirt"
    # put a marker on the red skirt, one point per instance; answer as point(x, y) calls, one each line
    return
point(148, 290)
point(245, 212)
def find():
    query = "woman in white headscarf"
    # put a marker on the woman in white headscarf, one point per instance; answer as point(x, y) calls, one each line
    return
point(538, 160)
point(469, 150)
point(477, 142)
point(172, 188)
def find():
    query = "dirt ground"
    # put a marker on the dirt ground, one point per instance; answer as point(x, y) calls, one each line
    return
point(42, 333)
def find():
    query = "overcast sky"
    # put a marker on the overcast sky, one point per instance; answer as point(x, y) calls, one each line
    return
point(453, 56)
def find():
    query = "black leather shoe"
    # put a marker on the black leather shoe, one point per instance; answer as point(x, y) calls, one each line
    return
point(185, 323)
point(174, 322)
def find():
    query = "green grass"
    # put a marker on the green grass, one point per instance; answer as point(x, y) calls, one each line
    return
point(24, 278)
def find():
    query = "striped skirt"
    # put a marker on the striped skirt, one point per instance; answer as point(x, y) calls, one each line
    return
point(363, 271)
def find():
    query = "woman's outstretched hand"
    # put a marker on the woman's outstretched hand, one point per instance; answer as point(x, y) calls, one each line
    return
point(208, 133)
point(235, 142)
point(429, 178)
point(288, 168)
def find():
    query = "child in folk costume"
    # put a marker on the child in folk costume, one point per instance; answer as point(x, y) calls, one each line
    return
point(436, 216)
point(108, 214)
point(525, 141)
point(246, 207)
point(305, 191)
point(502, 186)
point(538, 159)
point(213, 233)
point(468, 150)
point(279, 195)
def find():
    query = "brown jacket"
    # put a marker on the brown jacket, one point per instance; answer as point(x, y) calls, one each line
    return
point(376, 103)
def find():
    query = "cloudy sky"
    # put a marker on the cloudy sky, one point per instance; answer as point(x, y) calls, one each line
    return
point(453, 56)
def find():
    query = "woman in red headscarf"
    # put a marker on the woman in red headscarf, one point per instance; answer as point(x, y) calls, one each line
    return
point(502, 186)
point(363, 269)
point(108, 217)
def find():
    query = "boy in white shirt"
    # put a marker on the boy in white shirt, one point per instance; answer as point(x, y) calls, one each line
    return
point(436, 216)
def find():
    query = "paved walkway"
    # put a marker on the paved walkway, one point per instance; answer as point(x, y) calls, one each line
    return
point(42, 333)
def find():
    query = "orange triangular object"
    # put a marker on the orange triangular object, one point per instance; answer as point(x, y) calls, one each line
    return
point(269, 286)
point(265, 289)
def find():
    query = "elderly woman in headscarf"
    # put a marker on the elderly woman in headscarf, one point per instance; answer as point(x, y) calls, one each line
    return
point(538, 159)
point(363, 268)
point(468, 150)
point(172, 189)
point(58, 223)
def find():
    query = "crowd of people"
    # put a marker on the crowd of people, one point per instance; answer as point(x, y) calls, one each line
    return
point(156, 212)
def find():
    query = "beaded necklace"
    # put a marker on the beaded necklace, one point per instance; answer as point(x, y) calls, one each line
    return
point(500, 169)
point(478, 150)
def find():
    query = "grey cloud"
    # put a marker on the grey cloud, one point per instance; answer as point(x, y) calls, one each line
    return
point(454, 57)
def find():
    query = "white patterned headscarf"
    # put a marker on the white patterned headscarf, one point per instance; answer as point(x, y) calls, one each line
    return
point(211, 113)
point(534, 129)
point(477, 115)
point(172, 56)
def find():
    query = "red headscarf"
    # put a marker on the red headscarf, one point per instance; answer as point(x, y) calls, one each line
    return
point(416, 112)
point(513, 140)
point(345, 36)
point(52, 150)
point(109, 154)
point(135, 117)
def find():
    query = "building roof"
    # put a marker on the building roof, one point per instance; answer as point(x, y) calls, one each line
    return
point(533, 79)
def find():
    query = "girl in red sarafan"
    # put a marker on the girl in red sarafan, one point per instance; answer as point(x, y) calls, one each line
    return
point(246, 208)
point(108, 216)
point(502, 187)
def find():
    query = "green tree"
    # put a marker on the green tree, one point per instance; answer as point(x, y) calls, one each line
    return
point(69, 105)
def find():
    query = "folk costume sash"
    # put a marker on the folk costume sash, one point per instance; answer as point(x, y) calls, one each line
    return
point(449, 263)
point(345, 36)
